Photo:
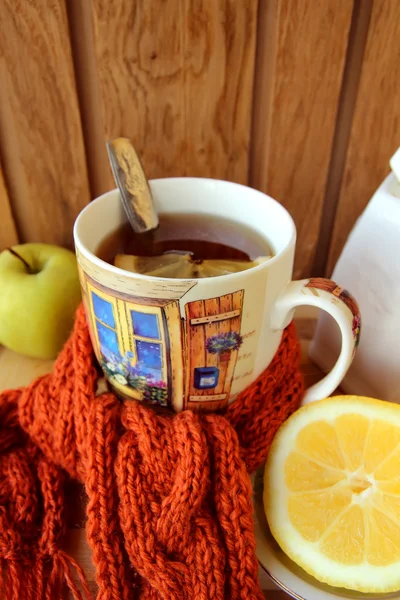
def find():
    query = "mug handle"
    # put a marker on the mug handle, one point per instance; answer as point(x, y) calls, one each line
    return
point(340, 304)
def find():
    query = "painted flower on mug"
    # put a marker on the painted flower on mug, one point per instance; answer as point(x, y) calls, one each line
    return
point(121, 370)
point(223, 344)
point(120, 379)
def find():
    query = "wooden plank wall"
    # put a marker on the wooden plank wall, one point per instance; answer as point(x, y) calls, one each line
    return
point(375, 131)
point(8, 232)
point(41, 142)
point(298, 98)
point(175, 76)
point(297, 95)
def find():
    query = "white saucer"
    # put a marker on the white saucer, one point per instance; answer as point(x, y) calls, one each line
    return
point(285, 573)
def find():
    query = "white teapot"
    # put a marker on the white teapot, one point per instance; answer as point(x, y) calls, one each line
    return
point(369, 267)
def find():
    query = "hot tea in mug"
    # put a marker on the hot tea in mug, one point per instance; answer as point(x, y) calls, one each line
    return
point(197, 245)
point(197, 340)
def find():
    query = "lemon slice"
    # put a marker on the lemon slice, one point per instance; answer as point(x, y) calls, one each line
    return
point(332, 492)
point(179, 265)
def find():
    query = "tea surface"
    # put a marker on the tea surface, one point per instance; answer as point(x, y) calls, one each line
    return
point(204, 237)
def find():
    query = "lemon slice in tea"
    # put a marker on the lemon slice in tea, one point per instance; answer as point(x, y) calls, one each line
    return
point(332, 492)
point(182, 265)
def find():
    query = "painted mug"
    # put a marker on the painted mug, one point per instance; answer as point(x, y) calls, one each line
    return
point(197, 343)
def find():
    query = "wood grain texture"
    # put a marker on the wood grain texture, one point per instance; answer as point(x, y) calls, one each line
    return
point(41, 138)
point(236, 322)
point(376, 125)
point(172, 324)
point(202, 323)
point(8, 232)
point(196, 344)
point(348, 96)
point(174, 76)
point(300, 59)
point(133, 185)
point(219, 51)
point(224, 384)
point(211, 329)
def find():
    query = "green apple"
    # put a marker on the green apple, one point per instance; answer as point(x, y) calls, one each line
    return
point(39, 294)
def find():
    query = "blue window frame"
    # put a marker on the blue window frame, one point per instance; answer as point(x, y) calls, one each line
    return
point(148, 343)
point(103, 310)
point(145, 325)
point(149, 354)
point(105, 325)
point(154, 374)
point(107, 338)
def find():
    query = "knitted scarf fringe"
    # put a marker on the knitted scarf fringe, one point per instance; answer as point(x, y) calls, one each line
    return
point(169, 509)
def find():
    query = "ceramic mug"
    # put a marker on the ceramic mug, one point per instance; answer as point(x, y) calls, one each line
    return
point(197, 343)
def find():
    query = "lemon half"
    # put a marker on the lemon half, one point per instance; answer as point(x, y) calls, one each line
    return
point(332, 492)
point(182, 266)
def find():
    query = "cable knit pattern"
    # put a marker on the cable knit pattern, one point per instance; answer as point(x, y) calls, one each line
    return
point(169, 513)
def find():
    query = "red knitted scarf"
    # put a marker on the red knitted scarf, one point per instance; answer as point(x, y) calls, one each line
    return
point(169, 512)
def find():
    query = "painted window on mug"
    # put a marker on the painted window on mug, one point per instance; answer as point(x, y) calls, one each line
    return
point(149, 358)
point(149, 354)
point(107, 338)
point(106, 327)
point(145, 325)
point(146, 329)
point(103, 310)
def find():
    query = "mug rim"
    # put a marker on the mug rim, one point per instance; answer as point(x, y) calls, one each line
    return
point(89, 255)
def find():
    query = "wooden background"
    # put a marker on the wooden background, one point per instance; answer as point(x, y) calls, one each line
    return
point(298, 98)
